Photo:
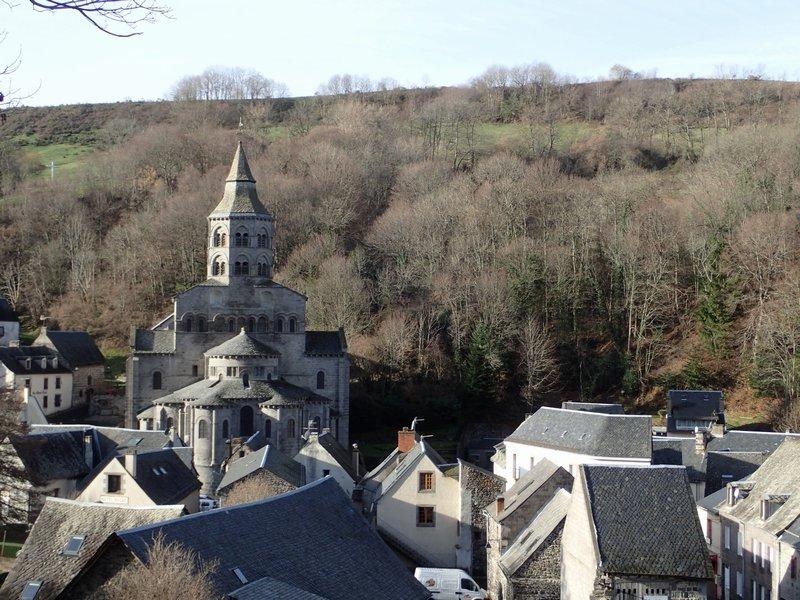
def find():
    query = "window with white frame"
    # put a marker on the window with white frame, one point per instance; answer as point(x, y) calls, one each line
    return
point(739, 584)
point(727, 537)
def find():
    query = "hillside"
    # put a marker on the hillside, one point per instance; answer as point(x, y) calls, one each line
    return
point(487, 249)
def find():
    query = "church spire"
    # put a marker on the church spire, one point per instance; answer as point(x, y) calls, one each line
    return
point(240, 194)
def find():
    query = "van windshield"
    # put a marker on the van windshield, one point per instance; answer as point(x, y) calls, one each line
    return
point(467, 584)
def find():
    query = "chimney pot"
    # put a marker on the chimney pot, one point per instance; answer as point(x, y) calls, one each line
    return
point(406, 439)
point(130, 463)
point(501, 504)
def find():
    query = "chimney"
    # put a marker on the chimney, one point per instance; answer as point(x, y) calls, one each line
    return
point(88, 453)
point(700, 441)
point(501, 504)
point(357, 460)
point(406, 439)
point(130, 462)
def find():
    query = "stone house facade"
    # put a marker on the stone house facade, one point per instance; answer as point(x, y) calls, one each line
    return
point(79, 353)
point(234, 356)
point(42, 372)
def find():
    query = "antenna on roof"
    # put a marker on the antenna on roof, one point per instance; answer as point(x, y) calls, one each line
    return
point(422, 437)
point(414, 422)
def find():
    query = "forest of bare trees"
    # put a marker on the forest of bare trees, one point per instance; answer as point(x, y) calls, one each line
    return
point(628, 235)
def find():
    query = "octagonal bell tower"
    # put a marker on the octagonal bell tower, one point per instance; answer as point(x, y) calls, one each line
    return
point(240, 230)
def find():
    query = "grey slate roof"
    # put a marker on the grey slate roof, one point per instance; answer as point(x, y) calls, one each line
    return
point(7, 313)
point(646, 522)
point(107, 440)
point(311, 538)
point(220, 392)
point(680, 451)
point(597, 434)
point(155, 341)
point(724, 467)
point(525, 487)
point(325, 342)
point(14, 360)
point(609, 408)
point(77, 347)
point(695, 404)
point(268, 587)
point(164, 476)
point(791, 535)
point(713, 501)
point(52, 455)
point(268, 458)
point(780, 474)
point(749, 441)
point(240, 195)
point(41, 557)
point(537, 531)
point(242, 344)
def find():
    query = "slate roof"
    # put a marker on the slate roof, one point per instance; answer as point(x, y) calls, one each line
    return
point(338, 452)
point(41, 557)
point(7, 313)
point(107, 440)
point(155, 341)
point(325, 342)
point(52, 455)
point(268, 458)
point(749, 441)
point(240, 195)
point(221, 392)
point(713, 501)
point(680, 451)
point(163, 476)
point(77, 347)
point(242, 344)
point(695, 404)
point(646, 522)
point(14, 360)
point(596, 434)
point(268, 587)
point(537, 531)
point(311, 538)
point(608, 408)
point(791, 534)
point(724, 467)
point(779, 474)
point(525, 487)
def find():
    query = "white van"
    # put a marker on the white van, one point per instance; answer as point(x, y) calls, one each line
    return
point(449, 584)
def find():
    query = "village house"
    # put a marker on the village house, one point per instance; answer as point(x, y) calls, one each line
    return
point(322, 455)
point(634, 532)
point(307, 542)
point(142, 478)
point(42, 371)
point(524, 527)
point(708, 512)
point(277, 473)
point(64, 541)
point(695, 410)
point(429, 510)
point(9, 324)
point(569, 438)
point(234, 356)
point(760, 529)
point(79, 353)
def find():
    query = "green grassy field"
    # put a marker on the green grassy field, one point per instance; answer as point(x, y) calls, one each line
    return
point(10, 550)
point(67, 157)
point(491, 136)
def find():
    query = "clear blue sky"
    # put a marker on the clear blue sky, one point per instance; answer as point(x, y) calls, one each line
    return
point(440, 42)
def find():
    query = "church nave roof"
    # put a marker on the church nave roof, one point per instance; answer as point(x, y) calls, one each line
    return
point(242, 344)
point(221, 392)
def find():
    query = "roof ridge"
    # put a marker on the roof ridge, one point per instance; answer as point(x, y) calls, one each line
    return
point(595, 414)
point(54, 499)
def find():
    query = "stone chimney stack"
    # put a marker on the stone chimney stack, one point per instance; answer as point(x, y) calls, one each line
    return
point(130, 462)
point(406, 439)
point(700, 441)
point(501, 504)
point(356, 455)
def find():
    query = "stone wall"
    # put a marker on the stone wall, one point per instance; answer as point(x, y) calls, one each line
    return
point(540, 576)
point(479, 489)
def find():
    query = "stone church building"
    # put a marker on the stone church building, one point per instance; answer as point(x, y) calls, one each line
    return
point(234, 357)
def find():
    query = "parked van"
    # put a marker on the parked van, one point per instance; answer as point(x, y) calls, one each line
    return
point(449, 584)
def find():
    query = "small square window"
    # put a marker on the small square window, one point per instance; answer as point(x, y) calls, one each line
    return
point(239, 575)
point(73, 546)
point(114, 484)
point(426, 481)
point(31, 590)
point(425, 516)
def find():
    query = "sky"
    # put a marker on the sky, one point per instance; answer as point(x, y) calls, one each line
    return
point(64, 60)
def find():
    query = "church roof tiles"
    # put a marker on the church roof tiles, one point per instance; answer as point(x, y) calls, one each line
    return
point(240, 194)
point(242, 345)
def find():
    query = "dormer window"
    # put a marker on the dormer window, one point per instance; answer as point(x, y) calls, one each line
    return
point(770, 504)
point(44, 363)
point(28, 363)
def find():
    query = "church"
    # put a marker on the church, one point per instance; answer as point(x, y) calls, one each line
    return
point(234, 357)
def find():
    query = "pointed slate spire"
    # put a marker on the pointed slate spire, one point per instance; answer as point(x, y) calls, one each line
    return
point(240, 194)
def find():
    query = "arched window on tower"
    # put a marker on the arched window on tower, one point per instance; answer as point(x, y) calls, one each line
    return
point(188, 323)
point(202, 324)
point(246, 421)
point(156, 380)
point(245, 239)
point(237, 240)
point(215, 267)
point(320, 380)
point(223, 238)
point(263, 268)
point(162, 419)
point(202, 429)
point(170, 423)
point(262, 325)
point(237, 268)
point(268, 429)
point(245, 268)
point(279, 325)
point(251, 324)
point(246, 379)
point(241, 323)
point(222, 268)
point(292, 325)
point(231, 325)
point(290, 428)
point(225, 431)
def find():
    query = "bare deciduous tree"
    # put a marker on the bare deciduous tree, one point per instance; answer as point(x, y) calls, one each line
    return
point(538, 361)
